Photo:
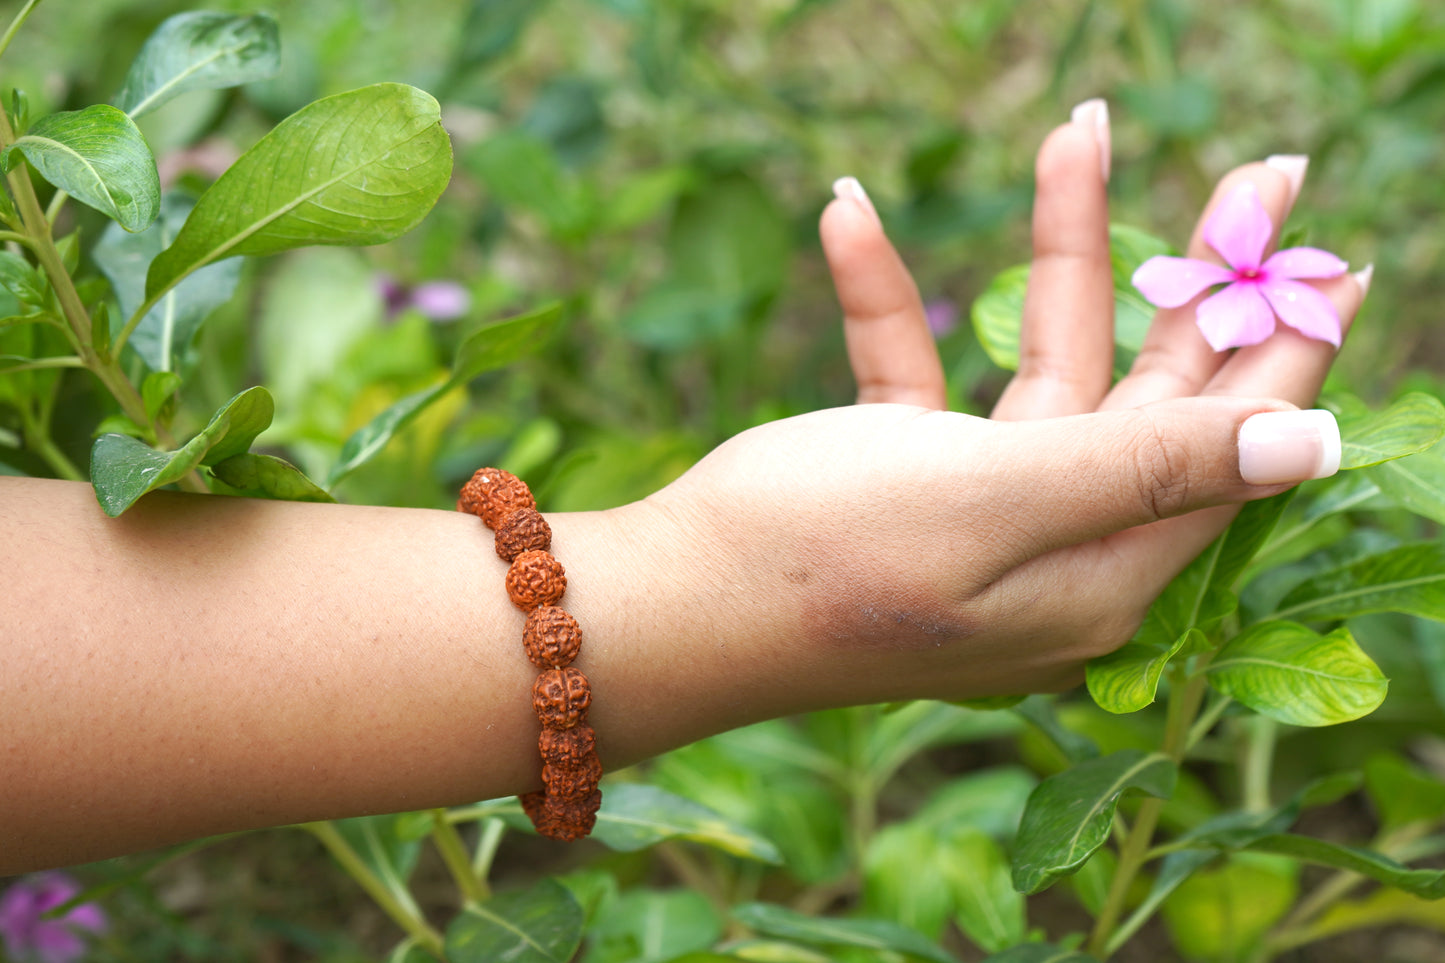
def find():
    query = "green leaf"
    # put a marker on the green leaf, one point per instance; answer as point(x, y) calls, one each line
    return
point(201, 50)
point(21, 280)
point(492, 28)
point(1414, 423)
point(1176, 868)
point(1127, 679)
point(878, 935)
point(1415, 483)
point(521, 170)
point(355, 168)
point(990, 911)
point(1291, 673)
point(1039, 710)
point(540, 925)
point(1219, 914)
point(1068, 816)
point(487, 349)
point(266, 476)
point(997, 314)
point(1408, 579)
point(635, 816)
point(123, 469)
point(900, 882)
point(650, 926)
point(1402, 793)
point(1039, 953)
point(167, 330)
point(1429, 883)
point(157, 390)
point(98, 156)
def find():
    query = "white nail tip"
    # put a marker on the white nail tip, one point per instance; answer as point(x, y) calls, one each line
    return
point(849, 189)
point(1279, 447)
point(1094, 114)
point(1293, 167)
point(1362, 278)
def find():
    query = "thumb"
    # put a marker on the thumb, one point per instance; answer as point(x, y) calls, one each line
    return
point(1086, 476)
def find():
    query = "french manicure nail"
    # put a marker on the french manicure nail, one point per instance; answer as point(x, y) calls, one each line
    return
point(1094, 115)
point(848, 189)
point(1362, 278)
point(1276, 447)
point(1293, 167)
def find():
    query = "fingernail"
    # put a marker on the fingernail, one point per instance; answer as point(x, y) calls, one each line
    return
point(848, 189)
point(1276, 447)
point(1293, 167)
point(1362, 278)
point(1094, 114)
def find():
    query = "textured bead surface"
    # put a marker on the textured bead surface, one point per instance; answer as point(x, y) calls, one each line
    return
point(561, 697)
point(567, 747)
point(524, 530)
point(493, 494)
point(559, 818)
point(535, 578)
point(573, 782)
point(551, 637)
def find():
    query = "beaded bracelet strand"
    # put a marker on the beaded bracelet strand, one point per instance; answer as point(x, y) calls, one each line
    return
point(566, 808)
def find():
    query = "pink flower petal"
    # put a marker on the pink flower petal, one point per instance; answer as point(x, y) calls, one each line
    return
point(1304, 262)
point(1305, 309)
point(1235, 317)
point(1168, 282)
point(1239, 229)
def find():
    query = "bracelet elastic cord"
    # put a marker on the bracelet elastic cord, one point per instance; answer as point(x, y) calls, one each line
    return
point(566, 808)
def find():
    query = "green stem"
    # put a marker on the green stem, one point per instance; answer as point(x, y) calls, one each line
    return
point(56, 203)
point(1185, 697)
point(1206, 720)
point(340, 850)
point(1260, 735)
point(37, 438)
point(454, 853)
point(17, 238)
point(491, 837)
point(16, 24)
point(65, 361)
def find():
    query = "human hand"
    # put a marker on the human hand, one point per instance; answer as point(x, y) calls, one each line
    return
point(1005, 553)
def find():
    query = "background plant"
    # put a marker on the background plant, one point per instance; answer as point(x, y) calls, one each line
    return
point(656, 169)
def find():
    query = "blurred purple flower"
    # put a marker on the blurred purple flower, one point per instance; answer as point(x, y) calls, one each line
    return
point(942, 315)
point(31, 938)
point(1244, 312)
point(437, 300)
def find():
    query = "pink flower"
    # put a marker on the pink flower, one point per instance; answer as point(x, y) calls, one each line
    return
point(29, 935)
point(1244, 312)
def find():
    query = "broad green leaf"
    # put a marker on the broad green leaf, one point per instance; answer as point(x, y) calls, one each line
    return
point(989, 910)
point(1039, 953)
point(1403, 794)
point(1429, 883)
point(997, 314)
point(1039, 710)
point(123, 469)
point(1068, 816)
point(266, 476)
point(1408, 579)
point(355, 168)
point(988, 799)
point(1416, 483)
point(539, 925)
point(487, 349)
point(197, 51)
point(163, 335)
point(98, 156)
point(878, 935)
point(1176, 868)
point(651, 926)
point(1412, 424)
point(157, 390)
point(1127, 679)
point(1219, 914)
point(21, 280)
point(635, 816)
point(903, 877)
point(1291, 673)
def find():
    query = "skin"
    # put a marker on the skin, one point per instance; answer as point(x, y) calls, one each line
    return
point(206, 664)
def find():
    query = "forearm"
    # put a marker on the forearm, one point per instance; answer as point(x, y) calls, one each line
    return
point(206, 664)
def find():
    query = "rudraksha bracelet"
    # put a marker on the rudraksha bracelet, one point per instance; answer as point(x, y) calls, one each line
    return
point(566, 807)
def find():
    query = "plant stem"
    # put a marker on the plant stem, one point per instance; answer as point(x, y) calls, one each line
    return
point(356, 868)
point(56, 203)
point(1206, 721)
point(37, 437)
point(1260, 735)
point(1185, 696)
point(15, 25)
point(491, 837)
point(454, 853)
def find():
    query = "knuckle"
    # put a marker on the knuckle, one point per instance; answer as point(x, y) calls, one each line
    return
point(1162, 467)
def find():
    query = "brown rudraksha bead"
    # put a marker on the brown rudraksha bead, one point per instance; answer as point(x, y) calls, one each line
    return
point(573, 782)
point(524, 530)
point(561, 697)
point(535, 578)
point(551, 637)
point(493, 494)
point(567, 747)
point(557, 818)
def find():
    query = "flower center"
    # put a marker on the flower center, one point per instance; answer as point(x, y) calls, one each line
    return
point(1249, 274)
